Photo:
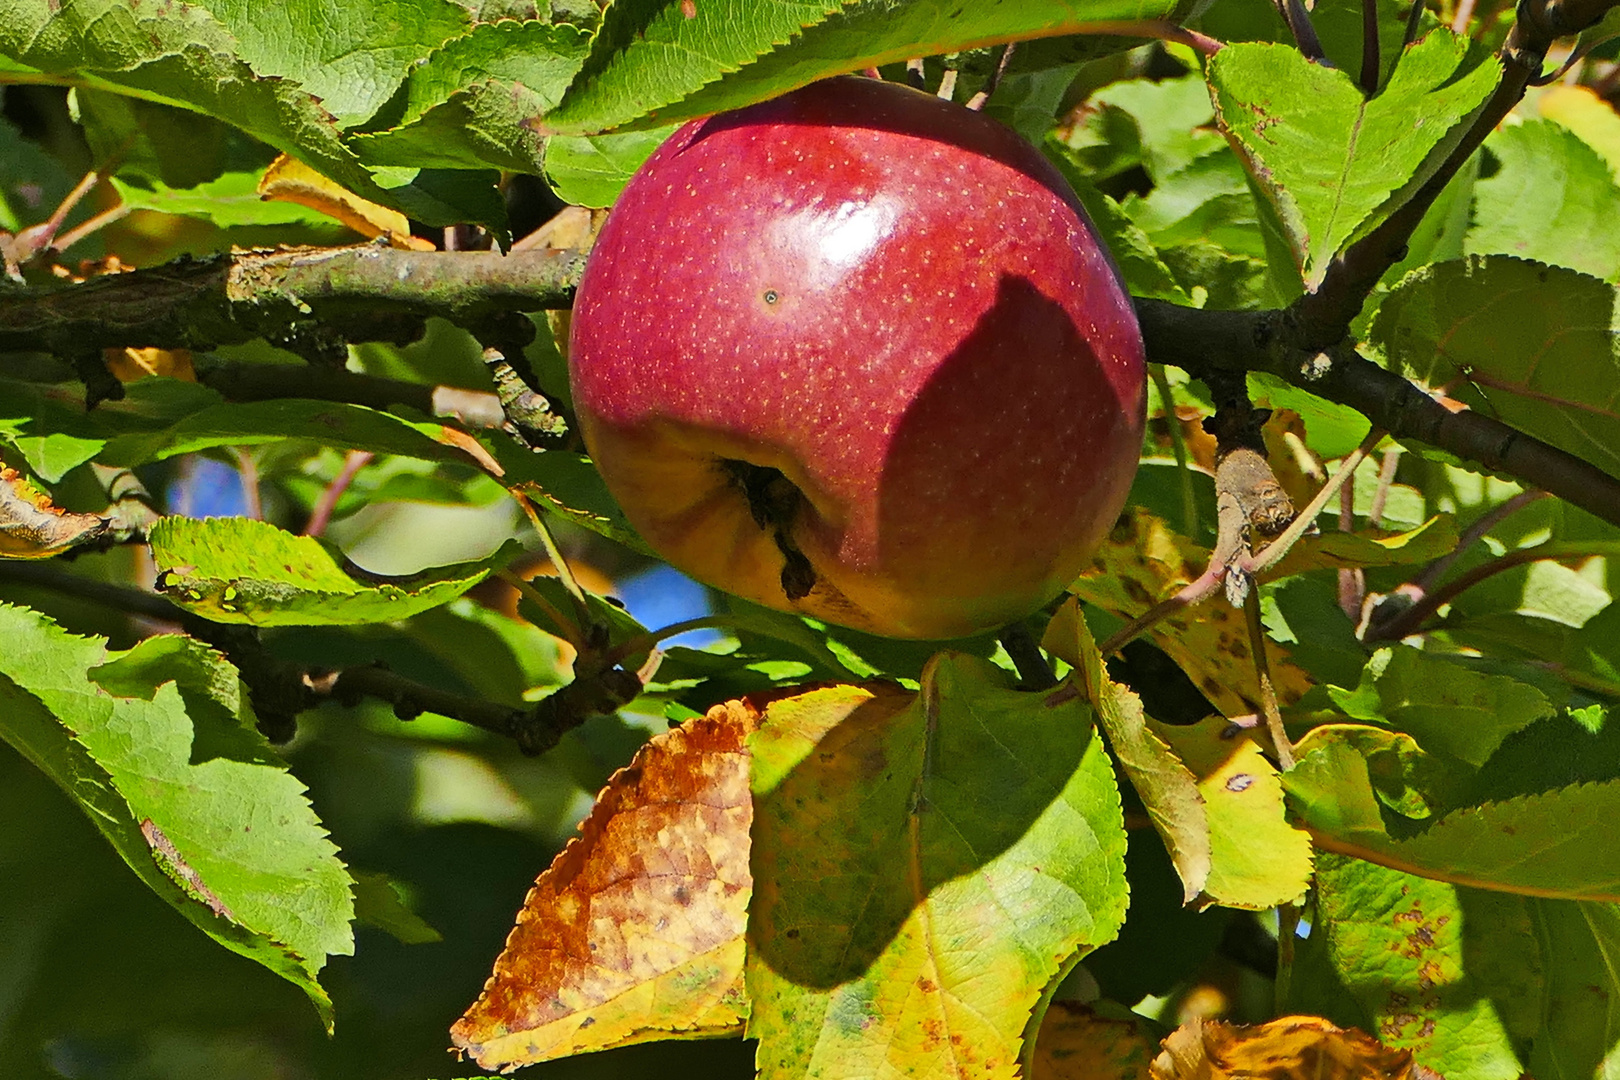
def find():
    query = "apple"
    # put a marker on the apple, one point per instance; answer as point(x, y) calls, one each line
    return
point(857, 352)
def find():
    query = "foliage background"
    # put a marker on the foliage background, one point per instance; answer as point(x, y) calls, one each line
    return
point(427, 108)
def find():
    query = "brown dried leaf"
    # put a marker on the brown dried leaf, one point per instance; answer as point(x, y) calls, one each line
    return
point(1077, 1044)
point(635, 932)
point(1292, 1048)
point(1142, 562)
point(31, 527)
point(290, 180)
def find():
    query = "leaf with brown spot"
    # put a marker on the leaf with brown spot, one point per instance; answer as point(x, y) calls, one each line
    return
point(32, 527)
point(1077, 1044)
point(1292, 1048)
point(635, 932)
point(1168, 789)
point(1143, 562)
point(1258, 859)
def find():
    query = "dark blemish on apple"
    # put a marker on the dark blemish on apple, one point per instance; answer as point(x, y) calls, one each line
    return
point(771, 296)
point(1240, 782)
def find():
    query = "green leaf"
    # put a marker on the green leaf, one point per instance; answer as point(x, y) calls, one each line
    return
point(1399, 944)
point(351, 56)
point(327, 423)
point(1333, 163)
point(231, 200)
point(179, 54)
point(920, 927)
point(237, 570)
point(476, 100)
point(1532, 345)
point(591, 170)
point(1553, 199)
point(1549, 844)
point(378, 903)
point(1445, 706)
point(1175, 119)
point(156, 144)
point(1581, 1008)
point(1344, 550)
point(1143, 272)
point(1168, 789)
point(567, 485)
point(230, 841)
point(652, 65)
point(1332, 430)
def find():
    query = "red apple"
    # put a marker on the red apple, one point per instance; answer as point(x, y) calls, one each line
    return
point(857, 353)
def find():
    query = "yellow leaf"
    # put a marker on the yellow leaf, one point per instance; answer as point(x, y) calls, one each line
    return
point(635, 932)
point(1292, 1048)
point(31, 527)
point(290, 180)
point(1143, 562)
point(1077, 1044)
point(1257, 858)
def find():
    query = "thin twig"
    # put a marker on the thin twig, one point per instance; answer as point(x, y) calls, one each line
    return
point(1371, 61)
point(1269, 709)
point(641, 643)
point(1411, 620)
point(1299, 25)
point(90, 226)
point(353, 462)
point(977, 101)
point(1034, 672)
point(1274, 551)
point(554, 553)
point(1459, 21)
point(1178, 447)
point(567, 628)
point(1158, 30)
point(1431, 574)
point(247, 469)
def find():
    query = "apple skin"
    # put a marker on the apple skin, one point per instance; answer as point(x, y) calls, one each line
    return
point(898, 304)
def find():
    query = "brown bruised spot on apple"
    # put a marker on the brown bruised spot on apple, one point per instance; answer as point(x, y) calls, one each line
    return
point(857, 353)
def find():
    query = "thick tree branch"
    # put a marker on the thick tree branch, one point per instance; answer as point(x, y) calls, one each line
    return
point(301, 298)
point(1205, 342)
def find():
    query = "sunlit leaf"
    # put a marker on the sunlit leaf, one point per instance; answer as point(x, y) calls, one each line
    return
point(1551, 200)
point(1400, 946)
point(1168, 789)
point(237, 570)
point(1258, 859)
point(1333, 162)
point(658, 61)
point(32, 527)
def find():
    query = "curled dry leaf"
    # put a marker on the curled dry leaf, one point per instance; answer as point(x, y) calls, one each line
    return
point(1077, 1044)
point(635, 932)
point(290, 180)
point(32, 527)
point(1292, 1048)
point(1142, 562)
